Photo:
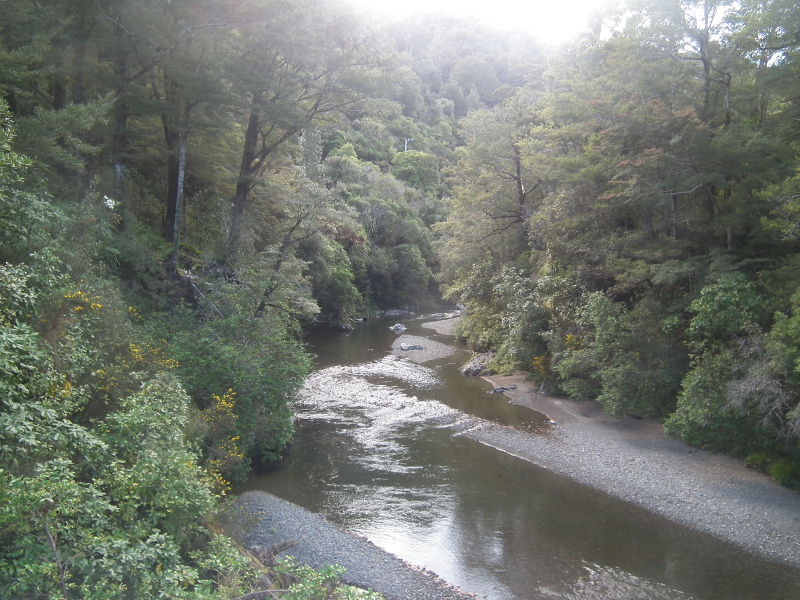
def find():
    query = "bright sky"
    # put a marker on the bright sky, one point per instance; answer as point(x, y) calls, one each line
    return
point(551, 20)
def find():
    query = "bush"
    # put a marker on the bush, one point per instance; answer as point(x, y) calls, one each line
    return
point(704, 417)
point(786, 472)
point(304, 583)
point(624, 358)
point(256, 360)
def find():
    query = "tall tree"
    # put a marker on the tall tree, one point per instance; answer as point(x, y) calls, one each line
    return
point(495, 184)
point(300, 61)
point(144, 36)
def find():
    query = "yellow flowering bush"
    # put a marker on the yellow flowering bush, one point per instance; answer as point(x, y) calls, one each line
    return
point(226, 460)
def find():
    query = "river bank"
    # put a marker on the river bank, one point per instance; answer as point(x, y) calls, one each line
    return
point(629, 459)
point(634, 460)
point(262, 520)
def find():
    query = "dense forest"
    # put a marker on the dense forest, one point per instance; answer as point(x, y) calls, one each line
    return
point(186, 186)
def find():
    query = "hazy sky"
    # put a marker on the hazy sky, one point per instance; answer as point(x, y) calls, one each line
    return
point(551, 20)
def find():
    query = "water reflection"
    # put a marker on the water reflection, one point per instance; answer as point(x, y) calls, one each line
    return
point(377, 451)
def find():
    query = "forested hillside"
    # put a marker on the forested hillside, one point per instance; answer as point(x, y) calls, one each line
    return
point(186, 186)
point(624, 225)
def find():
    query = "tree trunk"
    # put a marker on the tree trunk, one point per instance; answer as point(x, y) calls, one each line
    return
point(174, 136)
point(244, 184)
point(120, 136)
point(174, 142)
point(674, 215)
point(172, 263)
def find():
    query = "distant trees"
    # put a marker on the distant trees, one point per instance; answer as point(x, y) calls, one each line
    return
point(298, 62)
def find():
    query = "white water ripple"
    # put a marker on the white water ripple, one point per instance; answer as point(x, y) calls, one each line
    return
point(374, 413)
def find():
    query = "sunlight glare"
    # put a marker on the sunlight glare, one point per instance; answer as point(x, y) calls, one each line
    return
point(552, 21)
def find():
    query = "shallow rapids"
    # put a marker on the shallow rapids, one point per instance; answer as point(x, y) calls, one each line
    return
point(380, 451)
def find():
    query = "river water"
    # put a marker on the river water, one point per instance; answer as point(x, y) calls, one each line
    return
point(378, 452)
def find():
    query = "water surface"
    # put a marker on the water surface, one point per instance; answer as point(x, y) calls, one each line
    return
point(378, 452)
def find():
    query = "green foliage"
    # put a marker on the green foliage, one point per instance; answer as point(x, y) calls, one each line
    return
point(391, 255)
point(410, 275)
point(23, 213)
point(785, 200)
point(344, 151)
point(103, 488)
point(704, 415)
point(786, 472)
point(726, 308)
point(506, 314)
point(258, 359)
point(481, 328)
point(417, 169)
point(96, 510)
point(308, 584)
point(784, 335)
point(56, 138)
point(334, 284)
point(624, 359)
point(603, 214)
point(641, 200)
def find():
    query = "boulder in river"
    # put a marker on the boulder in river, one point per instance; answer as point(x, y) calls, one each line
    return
point(478, 365)
point(398, 327)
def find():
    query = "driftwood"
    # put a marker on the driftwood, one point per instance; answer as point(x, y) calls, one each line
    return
point(264, 562)
point(267, 557)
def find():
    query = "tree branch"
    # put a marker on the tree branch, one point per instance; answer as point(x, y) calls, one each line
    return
point(261, 594)
point(59, 565)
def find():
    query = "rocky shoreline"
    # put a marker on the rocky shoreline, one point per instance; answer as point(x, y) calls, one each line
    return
point(263, 520)
point(634, 460)
point(630, 459)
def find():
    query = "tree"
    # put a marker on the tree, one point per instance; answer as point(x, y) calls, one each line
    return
point(624, 359)
point(301, 61)
point(417, 169)
point(726, 309)
point(388, 243)
point(766, 32)
point(495, 186)
point(44, 89)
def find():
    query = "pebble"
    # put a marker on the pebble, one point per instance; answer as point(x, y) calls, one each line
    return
point(260, 520)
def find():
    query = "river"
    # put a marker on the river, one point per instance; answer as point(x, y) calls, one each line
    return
point(378, 452)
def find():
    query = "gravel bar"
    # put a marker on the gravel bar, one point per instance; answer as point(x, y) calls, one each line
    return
point(630, 458)
point(265, 520)
point(634, 460)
